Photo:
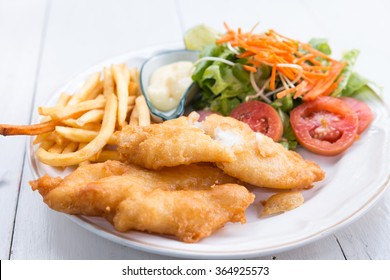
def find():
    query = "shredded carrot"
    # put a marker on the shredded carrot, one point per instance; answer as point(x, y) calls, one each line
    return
point(273, 78)
point(250, 68)
point(299, 62)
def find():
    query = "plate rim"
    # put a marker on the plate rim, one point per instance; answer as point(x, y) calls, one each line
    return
point(187, 253)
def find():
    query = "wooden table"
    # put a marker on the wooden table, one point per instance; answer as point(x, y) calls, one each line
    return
point(44, 43)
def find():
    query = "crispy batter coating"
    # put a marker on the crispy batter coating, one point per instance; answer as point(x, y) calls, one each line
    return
point(282, 202)
point(188, 214)
point(120, 192)
point(259, 160)
point(171, 143)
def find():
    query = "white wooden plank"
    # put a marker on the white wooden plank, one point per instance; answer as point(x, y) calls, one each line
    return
point(324, 249)
point(21, 26)
point(79, 34)
point(369, 237)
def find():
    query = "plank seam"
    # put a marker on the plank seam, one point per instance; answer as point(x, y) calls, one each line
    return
point(341, 248)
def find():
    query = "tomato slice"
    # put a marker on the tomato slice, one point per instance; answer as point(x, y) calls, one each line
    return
point(326, 126)
point(363, 112)
point(260, 117)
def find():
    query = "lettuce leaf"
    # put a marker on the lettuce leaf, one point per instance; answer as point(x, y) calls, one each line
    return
point(350, 58)
point(355, 82)
point(223, 86)
point(289, 141)
point(321, 44)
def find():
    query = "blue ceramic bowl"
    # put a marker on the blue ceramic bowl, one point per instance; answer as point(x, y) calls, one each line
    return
point(157, 61)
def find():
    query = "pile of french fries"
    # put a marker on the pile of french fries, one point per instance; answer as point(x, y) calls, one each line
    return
point(81, 127)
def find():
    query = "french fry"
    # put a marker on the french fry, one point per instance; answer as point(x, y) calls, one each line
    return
point(63, 99)
point(131, 100)
point(130, 108)
point(59, 139)
point(143, 111)
point(122, 92)
point(34, 129)
point(57, 113)
point(92, 126)
point(133, 89)
point(109, 85)
point(81, 135)
point(85, 90)
point(95, 115)
point(108, 127)
point(82, 145)
point(107, 155)
point(134, 117)
point(46, 144)
point(282, 202)
point(100, 97)
point(71, 123)
point(56, 149)
point(41, 137)
point(134, 75)
point(61, 102)
point(97, 91)
point(89, 126)
point(70, 148)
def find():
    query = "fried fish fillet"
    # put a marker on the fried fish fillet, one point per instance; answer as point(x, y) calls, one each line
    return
point(259, 160)
point(174, 142)
point(188, 214)
point(131, 197)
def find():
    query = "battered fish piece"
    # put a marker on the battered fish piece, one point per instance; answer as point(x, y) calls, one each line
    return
point(190, 215)
point(119, 192)
point(259, 160)
point(174, 142)
point(96, 189)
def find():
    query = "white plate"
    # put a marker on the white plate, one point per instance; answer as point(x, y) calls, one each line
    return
point(354, 182)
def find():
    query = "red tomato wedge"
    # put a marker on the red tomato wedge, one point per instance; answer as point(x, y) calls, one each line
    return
point(260, 117)
point(363, 112)
point(325, 126)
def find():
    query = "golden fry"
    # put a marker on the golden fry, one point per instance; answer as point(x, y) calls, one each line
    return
point(63, 99)
point(108, 82)
point(131, 100)
point(72, 110)
point(56, 149)
point(143, 111)
point(98, 90)
point(34, 129)
point(81, 135)
point(133, 89)
point(134, 117)
point(95, 115)
point(85, 90)
point(107, 155)
point(41, 137)
point(46, 144)
point(134, 75)
point(70, 148)
point(122, 93)
point(91, 148)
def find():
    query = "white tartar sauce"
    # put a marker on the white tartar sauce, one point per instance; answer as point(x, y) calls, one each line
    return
point(168, 84)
